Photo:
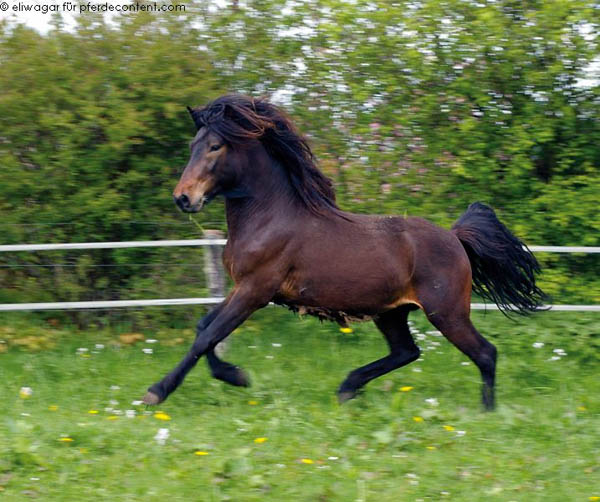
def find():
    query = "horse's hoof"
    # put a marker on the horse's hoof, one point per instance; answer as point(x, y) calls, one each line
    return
point(346, 396)
point(233, 376)
point(151, 399)
point(242, 379)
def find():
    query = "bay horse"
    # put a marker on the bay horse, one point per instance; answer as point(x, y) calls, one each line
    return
point(289, 243)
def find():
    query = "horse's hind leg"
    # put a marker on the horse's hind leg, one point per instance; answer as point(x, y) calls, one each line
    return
point(457, 328)
point(403, 350)
point(219, 369)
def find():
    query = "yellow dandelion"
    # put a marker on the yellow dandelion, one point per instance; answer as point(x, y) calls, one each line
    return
point(583, 408)
point(112, 417)
point(200, 453)
point(594, 498)
point(66, 439)
point(252, 403)
point(418, 419)
point(306, 461)
point(431, 447)
point(346, 330)
point(85, 355)
point(93, 412)
point(159, 415)
point(406, 388)
point(53, 407)
point(448, 428)
point(260, 440)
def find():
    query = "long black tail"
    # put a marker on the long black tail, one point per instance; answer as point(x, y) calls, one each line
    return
point(503, 267)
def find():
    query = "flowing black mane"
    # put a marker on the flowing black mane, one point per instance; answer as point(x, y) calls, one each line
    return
point(237, 118)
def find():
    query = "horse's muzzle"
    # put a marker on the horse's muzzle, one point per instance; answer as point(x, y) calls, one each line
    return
point(183, 203)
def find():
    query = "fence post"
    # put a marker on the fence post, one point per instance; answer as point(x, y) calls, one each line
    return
point(215, 276)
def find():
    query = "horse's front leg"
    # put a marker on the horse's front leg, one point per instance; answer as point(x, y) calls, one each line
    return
point(221, 370)
point(242, 302)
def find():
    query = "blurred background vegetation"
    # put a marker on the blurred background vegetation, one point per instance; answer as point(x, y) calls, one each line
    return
point(415, 108)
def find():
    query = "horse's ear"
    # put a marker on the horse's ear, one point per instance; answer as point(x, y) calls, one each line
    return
point(195, 117)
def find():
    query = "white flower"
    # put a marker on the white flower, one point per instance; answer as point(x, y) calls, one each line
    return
point(113, 402)
point(151, 340)
point(559, 352)
point(81, 350)
point(136, 403)
point(554, 358)
point(25, 392)
point(413, 479)
point(115, 387)
point(130, 413)
point(276, 344)
point(161, 436)
point(432, 401)
point(99, 346)
point(538, 345)
point(461, 433)
point(147, 351)
point(465, 363)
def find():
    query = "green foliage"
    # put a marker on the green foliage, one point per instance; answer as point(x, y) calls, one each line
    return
point(418, 108)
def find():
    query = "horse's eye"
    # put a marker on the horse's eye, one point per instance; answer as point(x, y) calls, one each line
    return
point(214, 148)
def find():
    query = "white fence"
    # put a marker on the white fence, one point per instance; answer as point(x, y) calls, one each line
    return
point(219, 242)
point(213, 300)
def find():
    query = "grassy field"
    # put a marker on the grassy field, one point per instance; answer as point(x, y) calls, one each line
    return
point(417, 434)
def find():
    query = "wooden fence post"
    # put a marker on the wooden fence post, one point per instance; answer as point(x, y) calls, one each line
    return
point(215, 275)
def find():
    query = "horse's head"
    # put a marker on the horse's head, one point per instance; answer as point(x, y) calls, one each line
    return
point(242, 144)
point(207, 173)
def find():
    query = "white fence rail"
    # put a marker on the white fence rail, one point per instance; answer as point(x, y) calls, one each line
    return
point(110, 304)
point(112, 245)
point(217, 242)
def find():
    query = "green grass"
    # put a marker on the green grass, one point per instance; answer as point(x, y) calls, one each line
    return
point(542, 443)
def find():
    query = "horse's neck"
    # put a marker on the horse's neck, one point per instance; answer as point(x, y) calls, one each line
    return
point(268, 200)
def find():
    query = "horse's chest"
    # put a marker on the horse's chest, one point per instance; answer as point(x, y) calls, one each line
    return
point(236, 264)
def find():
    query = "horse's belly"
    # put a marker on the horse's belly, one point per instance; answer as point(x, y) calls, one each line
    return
point(343, 318)
point(343, 300)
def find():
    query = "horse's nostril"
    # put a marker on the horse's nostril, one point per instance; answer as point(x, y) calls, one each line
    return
point(182, 201)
